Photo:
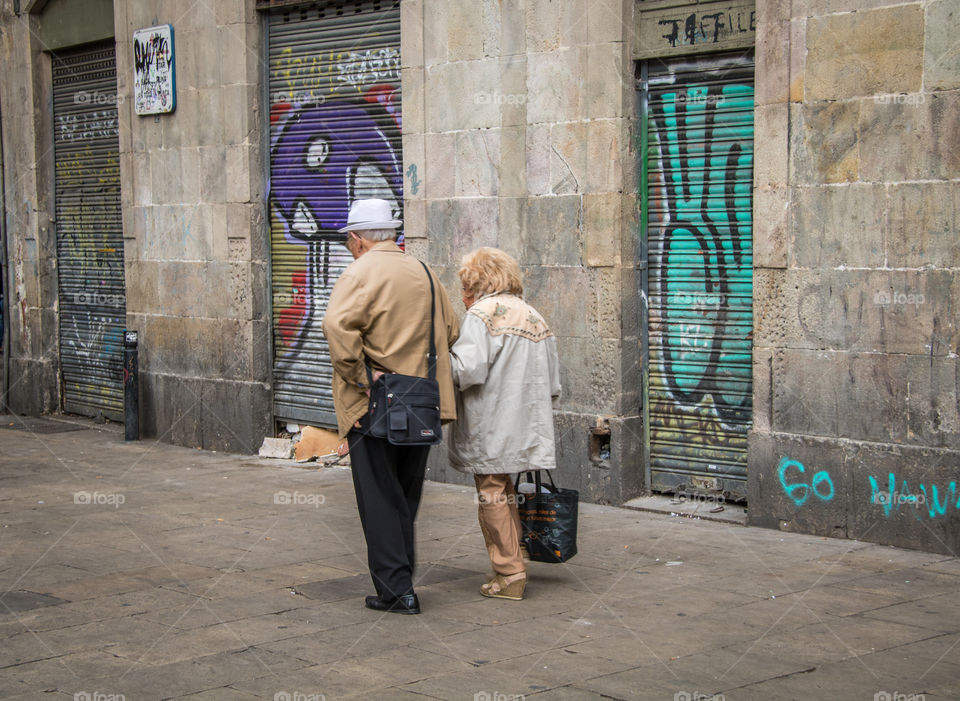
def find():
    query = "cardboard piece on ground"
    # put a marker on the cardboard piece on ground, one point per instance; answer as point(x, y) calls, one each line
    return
point(315, 443)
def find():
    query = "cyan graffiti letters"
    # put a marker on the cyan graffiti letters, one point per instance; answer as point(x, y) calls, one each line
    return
point(414, 180)
point(798, 489)
point(892, 500)
point(928, 499)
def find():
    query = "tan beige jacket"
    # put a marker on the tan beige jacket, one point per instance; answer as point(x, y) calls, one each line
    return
point(379, 312)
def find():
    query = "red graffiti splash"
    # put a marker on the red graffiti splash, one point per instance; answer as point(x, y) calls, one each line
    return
point(385, 95)
point(291, 318)
point(278, 110)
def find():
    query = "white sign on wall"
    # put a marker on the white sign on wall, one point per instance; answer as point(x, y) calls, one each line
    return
point(154, 77)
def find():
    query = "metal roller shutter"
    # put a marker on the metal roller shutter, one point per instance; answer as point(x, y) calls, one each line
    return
point(698, 209)
point(89, 230)
point(334, 138)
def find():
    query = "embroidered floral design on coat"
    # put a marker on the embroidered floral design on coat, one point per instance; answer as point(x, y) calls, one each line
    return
point(506, 314)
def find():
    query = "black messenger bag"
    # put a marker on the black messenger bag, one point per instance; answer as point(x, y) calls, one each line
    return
point(405, 409)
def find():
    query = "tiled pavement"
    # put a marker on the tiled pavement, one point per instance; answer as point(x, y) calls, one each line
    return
point(197, 575)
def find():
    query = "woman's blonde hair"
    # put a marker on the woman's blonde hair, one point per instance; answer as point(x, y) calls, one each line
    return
point(487, 270)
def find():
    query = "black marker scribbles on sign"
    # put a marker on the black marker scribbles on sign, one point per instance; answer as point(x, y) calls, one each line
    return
point(707, 28)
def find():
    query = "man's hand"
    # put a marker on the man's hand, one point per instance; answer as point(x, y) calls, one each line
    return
point(376, 376)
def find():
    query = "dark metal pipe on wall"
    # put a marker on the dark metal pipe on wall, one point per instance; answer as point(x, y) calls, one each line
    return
point(4, 280)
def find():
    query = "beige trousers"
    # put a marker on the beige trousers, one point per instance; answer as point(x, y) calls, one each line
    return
point(500, 523)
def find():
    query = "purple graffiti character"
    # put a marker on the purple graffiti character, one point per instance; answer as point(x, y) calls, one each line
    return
point(323, 157)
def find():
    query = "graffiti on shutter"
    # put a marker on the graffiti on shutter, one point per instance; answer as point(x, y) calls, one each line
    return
point(334, 138)
point(89, 230)
point(700, 172)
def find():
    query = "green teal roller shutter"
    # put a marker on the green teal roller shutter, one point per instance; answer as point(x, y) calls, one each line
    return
point(699, 174)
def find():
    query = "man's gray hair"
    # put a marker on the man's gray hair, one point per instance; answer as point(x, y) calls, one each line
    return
point(377, 234)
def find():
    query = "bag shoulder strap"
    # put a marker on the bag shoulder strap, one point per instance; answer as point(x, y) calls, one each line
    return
point(432, 354)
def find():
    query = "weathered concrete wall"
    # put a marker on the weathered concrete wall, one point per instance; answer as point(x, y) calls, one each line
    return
point(517, 135)
point(74, 22)
point(856, 335)
point(195, 245)
point(28, 215)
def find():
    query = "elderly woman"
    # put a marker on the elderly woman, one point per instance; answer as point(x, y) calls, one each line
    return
point(506, 368)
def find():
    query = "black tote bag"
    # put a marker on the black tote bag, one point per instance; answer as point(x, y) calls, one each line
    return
point(548, 519)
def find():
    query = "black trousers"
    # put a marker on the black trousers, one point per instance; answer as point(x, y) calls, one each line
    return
point(388, 481)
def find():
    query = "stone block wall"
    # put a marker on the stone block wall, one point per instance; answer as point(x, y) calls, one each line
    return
point(195, 243)
point(29, 228)
point(857, 325)
point(517, 135)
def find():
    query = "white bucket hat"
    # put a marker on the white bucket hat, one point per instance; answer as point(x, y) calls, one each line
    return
point(370, 214)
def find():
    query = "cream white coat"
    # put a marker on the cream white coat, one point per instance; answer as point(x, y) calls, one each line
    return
point(507, 384)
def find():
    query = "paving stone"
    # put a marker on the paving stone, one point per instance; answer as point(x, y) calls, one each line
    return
point(640, 683)
point(177, 646)
point(202, 612)
point(852, 678)
point(317, 681)
point(909, 584)
point(64, 670)
point(934, 613)
point(949, 566)
point(19, 601)
point(45, 695)
point(89, 610)
point(191, 676)
point(91, 636)
point(470, 683)
point(223, 693)
point(559, 666)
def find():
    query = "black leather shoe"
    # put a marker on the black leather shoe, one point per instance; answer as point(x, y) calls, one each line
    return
point(408, 603)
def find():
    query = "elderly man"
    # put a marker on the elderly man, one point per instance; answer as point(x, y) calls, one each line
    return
point(379, 317)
